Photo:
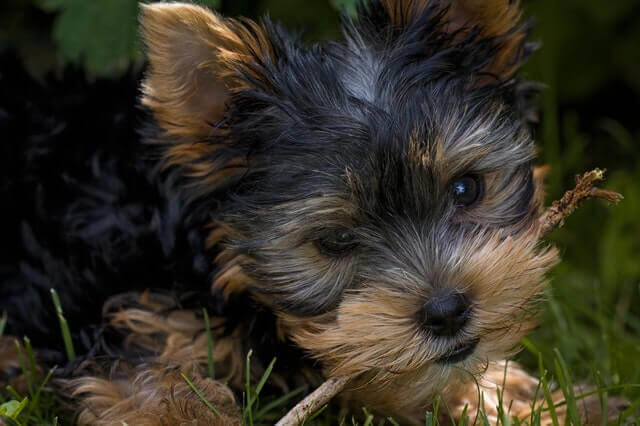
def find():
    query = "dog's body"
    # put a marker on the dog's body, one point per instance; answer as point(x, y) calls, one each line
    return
point(365, 209)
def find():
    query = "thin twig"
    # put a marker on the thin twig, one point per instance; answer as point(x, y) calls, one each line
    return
point(555, 215)
point(314, 401)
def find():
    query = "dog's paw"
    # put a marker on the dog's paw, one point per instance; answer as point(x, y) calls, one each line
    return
point(589, 408)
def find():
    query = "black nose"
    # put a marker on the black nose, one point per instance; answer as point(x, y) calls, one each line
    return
point(446, 313)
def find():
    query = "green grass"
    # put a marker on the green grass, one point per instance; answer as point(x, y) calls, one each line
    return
point(64, 326)
point(39, 406)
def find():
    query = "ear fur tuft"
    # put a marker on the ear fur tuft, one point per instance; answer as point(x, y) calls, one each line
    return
point(194, 55)
point(499, 20)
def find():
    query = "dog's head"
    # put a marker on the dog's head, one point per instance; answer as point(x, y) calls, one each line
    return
point(376, 193)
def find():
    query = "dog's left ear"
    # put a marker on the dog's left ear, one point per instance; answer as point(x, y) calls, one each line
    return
point(196, 58)
point(197, 61)
point(497, 20)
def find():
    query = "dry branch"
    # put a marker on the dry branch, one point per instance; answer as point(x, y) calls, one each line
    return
point(314, 401)
point(551, 218)
point(555, 215)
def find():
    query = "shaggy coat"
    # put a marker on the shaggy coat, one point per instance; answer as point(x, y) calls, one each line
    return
point(305, 196)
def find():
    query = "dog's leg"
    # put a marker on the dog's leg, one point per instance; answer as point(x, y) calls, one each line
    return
point(154, 396)
point(519, 393)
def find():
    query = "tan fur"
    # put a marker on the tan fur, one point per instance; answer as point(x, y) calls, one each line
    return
point(177, 336)
point(194, 55)
point(496, 19)
point(154, 393)
point(374, 333)
point(153, 397)
point(517, 389)
point(192, 52)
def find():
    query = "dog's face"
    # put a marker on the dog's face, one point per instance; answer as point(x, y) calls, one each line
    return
point(378, 193)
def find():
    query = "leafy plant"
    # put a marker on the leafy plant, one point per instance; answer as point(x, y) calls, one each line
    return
point(101, 35)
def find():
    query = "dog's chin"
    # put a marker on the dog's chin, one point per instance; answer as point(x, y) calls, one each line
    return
point(458, 353)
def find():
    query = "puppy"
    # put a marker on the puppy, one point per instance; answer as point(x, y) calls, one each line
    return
point(364, 208)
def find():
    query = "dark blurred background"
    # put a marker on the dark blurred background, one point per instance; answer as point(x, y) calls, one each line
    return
point(590, 64)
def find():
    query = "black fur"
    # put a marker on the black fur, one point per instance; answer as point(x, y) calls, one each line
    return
point(327, 111)
point(87, 209)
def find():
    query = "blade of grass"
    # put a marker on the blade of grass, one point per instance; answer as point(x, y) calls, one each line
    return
point(392, 421)
point(278, 402)
point(3, 323)
point(253, 396)
point(536, 397)
point(436, 409)
point(33, 367)
point(480, 394)
point(23, 365)
point(503, 417)
point(14, 394)
point(484, 418)
point(247, 414)
point(368, 417)
point(547, 393)
point(207, 324)
point(64, 327)
point(564, 379)
point(446, 406)
point(603, 397)
point(429, 419)
point(632, 410)
point(464, 420)
point(316, 414)
point(200, 395)
point(263, 380)
point(36, 398)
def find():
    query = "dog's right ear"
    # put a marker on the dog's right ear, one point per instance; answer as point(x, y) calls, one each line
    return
point(194, 57)
point(496, 20)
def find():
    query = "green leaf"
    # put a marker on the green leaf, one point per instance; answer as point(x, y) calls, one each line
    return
point(13, 408)
point(101, 35)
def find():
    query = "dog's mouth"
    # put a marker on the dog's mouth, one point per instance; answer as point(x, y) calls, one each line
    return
point(459, 353)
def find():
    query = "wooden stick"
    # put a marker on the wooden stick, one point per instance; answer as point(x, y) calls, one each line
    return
point(551, 218)
point(314, 401)
point(555, 215)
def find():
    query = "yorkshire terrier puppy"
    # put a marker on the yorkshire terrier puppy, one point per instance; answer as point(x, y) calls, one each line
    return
point(365, 208)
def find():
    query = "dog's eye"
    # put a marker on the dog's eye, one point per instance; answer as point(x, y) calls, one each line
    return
point(467, 190)
point(337, 242)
